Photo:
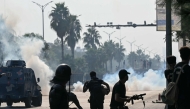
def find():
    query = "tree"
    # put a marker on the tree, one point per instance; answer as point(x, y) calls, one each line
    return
point(59, 22)
point(91, 38)
point(119, 53)
point(33, 35)
point(73, 33)
point(109, 48)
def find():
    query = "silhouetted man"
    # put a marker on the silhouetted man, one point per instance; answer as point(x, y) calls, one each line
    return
point(95, 88)
point(58, 96)
point(171, 60)
point(183, 101)
point(119, 91)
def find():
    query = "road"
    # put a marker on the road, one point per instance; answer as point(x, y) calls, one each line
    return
point(83, 97)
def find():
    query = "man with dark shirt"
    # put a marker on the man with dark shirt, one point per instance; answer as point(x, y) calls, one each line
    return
point(95, 88)
point(171, 60)
point(183, 101)
point(119, 91)
point(58, 97)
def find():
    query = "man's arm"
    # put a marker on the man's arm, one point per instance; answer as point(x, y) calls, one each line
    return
point(85, 88)
point(119, 99)
point(106, 84)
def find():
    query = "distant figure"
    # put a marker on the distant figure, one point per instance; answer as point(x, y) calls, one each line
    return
point(123, 63)
point(150, 64)
point(183, 101)
point(95, 88)
point(144, 64)
point(119, 91)
point(171, 60)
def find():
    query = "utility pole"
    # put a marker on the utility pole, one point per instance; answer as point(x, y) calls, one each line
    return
point(168, 29)
point(138, 46)
point(120, 40)
point(109, 34)
point(42, 7)
point(131, 43)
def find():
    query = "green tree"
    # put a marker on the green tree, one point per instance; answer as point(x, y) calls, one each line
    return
point(91, 38)
point(119, 53)
point(59, 22)
point(34, 35)
point(109, 48)
point(73, 33)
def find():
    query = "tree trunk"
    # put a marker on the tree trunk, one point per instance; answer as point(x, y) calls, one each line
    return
point(62, 48)
point(73, 52)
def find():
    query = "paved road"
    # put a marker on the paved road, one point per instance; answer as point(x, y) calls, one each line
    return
point(83, 97)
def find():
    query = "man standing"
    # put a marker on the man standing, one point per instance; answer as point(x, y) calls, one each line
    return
point(119, 91)
point(171, 60)
point(58, 96)
point(95, 88)
point(183, 101)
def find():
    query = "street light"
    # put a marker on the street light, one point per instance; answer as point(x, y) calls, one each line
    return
point(120, 40)
point(42, 7)
point(131, 43)
point(145, 49)
point(138, 46)
point(109, 34)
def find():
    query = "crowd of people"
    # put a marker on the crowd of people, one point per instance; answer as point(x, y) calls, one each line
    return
point(59, 97)
point(172, 73)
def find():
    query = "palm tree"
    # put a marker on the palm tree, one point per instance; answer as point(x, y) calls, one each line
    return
point(109, 48)
point(91, 38)
point(59, 16)
point(73, 33)
point(119, 53)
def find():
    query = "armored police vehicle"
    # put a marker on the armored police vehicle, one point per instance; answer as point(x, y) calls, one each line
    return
point(19, 84)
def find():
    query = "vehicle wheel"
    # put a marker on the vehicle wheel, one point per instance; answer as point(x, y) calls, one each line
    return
point(28, 102)
point(9, 103)
point(37, 101)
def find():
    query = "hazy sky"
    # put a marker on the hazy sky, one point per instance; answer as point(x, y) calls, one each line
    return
point(25, 16)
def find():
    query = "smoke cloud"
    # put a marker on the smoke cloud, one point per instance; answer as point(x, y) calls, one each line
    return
point(27, 49)
point(148, 81)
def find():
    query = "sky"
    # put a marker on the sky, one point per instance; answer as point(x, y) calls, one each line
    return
point(26, 17)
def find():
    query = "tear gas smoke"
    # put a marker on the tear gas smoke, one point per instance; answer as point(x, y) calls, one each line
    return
point(150, 80)
point(27, 49)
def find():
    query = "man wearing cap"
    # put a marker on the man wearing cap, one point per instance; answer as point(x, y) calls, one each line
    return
point(119, 92)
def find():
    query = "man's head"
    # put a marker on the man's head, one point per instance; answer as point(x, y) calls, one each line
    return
point(123, 75)
point(62, 74)
point(92, 74)
point(185, 53)
point(171, 60)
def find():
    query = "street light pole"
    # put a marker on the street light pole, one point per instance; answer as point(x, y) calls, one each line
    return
point(138, 46)
point(131, 43)
point(120, 40)
point(109, 34)
point(42, 7)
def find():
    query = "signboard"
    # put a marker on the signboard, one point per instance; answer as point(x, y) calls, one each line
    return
point(161, 18)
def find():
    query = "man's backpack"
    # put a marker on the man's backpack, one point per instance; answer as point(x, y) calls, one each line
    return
point(96, 86)
point(170, 94)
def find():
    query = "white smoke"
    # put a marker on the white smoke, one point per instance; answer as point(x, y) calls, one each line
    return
point(27, 49)
point(150, 80)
